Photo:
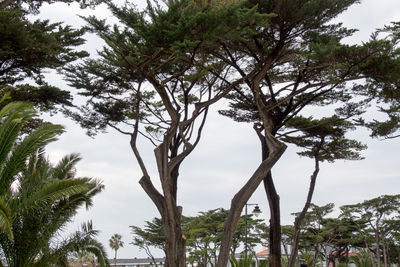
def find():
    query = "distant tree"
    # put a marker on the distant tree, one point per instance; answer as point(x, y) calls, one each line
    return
point(287, 239)
point(152, 235)
point(314, 239)
point(377, 213)
point(41, 198)
point(324, 141)
point(340, 234)
point(203, 235)
point(116, 243)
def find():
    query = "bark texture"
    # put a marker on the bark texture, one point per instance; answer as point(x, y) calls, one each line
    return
point(240, 199)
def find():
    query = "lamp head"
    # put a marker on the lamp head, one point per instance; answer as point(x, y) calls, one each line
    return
point(256, 211)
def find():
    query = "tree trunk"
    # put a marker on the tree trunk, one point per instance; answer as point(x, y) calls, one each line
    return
point(241, 198)
point(378, 250)
point(385, 260)
point(368, 249)
point(300, 218)
point(175, 241)
point(274, 222)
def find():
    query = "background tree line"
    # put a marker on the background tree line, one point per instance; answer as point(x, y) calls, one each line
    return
point(363, 233)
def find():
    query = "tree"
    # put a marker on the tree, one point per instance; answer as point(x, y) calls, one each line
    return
point(377, 213)
point(116, 243)
point(157, 79)
point(299, 60)
point(203, 235)
point(323, 140)
point(152, 235)
point(314, 239)
point(26, 49)
point(29, 47)
point(40, 197)
point(13, 156)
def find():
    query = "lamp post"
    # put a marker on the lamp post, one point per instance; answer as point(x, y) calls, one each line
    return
point(256, 212)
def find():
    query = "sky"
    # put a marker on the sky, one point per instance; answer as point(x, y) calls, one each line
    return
point(226, 157)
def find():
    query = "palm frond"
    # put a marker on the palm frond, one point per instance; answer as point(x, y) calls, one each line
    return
point(66, 166)
point(5, 219)
point(17, 114)
point(24, 149)
point(83, 240)
point(46, 197)
point(56, 191)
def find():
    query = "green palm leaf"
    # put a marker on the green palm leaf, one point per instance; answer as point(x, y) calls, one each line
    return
point(57, 190)
point(80, 241)
point(17, 114)
point(5, 219)
point(45, 197)
point(24, 149)
point(66, 167)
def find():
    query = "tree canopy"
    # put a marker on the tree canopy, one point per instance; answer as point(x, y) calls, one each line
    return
point(164, 66)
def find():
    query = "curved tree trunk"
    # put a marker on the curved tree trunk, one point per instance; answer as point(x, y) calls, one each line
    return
point(240, 199)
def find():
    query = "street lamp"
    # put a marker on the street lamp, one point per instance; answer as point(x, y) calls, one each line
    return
point(256, 212)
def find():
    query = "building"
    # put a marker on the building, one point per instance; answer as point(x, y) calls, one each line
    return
point(138, 262)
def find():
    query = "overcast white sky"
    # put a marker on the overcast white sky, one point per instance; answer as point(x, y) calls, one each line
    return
point(226, 156)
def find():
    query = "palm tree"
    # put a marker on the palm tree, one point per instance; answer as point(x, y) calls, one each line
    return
point(13, 155)
point(37, 198)
point(115, 244)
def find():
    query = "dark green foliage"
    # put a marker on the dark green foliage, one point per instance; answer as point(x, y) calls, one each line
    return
point(27, 50)
point(26, 47)
point(165, 47)
point(152, 235)
point(44, 98)
point(377, 220)
point(359, 227)
point(203, 235)
point(320, 233)
point(33, 6)
point(37, 198)
point(383, 80)
point(324, 139)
